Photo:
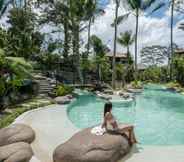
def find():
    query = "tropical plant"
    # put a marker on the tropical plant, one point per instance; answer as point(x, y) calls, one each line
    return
point(13, 72)
point(63, 90)
point(126, 39)
point(22, 40)
point(178, 69)
point(137, 6)
point(115, 44)
point(101, 62)
point(58, 13)
point(136, 84)
point(118, 19)
point(154, 74)
point(91, 12)
point(3, 38)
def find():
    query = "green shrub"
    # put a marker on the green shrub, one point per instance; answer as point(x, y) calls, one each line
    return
point(136, 84)
point(7, 120)
point(178, 70)
point(63, 90)
point(173, 84)
point(154, 74)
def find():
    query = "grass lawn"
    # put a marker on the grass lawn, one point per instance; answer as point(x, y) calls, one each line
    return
point(13, 112)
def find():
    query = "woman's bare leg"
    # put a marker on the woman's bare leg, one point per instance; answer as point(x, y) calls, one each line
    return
point(131, 134)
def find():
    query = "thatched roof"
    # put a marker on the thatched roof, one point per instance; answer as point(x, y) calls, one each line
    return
point(179, 51)
point(118, 55)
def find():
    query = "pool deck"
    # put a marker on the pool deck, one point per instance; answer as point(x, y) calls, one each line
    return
point(48, 136)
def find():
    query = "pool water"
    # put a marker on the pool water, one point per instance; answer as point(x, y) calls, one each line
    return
point(158, 115)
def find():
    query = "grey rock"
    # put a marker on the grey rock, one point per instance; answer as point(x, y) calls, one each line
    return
point(16, 133)
point(108, 91)
point(17, 152)
point(62, 100)
point(87, 147)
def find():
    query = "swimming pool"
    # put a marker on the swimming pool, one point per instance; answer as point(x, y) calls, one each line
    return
point(157, 113)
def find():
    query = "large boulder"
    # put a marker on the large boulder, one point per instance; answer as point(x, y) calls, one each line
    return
point(16, 133)
point(87, 147)
point(62, 100)
point(17, 152)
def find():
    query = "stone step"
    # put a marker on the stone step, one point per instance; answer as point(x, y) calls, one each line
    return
point(45, 86)
point(45, 89)
point(44, 92)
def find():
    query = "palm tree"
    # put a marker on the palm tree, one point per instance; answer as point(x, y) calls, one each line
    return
point(91, 11)
point(126, 39)
point(115, 45)
point(117, 21)
point(172, 49)
point(137, 6)
point(99, 50)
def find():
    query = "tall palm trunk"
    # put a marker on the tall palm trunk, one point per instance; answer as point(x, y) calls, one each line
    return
point(136, 40)
point(172, 50)
point(66, 39)
point(89, 35)
point(76, 52)
point(128, 54)
point(115, 46)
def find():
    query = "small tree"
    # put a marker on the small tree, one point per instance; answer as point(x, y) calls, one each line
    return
point(100, 60)
point(22, 41)
point(126, 39)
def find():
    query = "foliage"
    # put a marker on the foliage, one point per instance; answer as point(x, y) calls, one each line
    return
point(102, 67)
point(100, 61)
point(126, 38)
point(136, 84)
point(154, 55)
point(119, 71)
point(173, 84)
point(178, 69)
point(154, 74)
point(18, 110)
point(137, 6)
point(49, 61)
point(13, 72)
point(3, 38)
point(63, 90)
point(98, 46)
point(22, 40)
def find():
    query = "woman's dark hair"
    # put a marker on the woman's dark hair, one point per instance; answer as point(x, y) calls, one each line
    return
point(107, 107)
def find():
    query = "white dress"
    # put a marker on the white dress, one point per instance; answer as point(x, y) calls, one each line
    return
point(98, 130)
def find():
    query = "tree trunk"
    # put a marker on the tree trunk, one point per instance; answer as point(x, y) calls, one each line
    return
point(66, 39)
point(136, 40)
point(128, 54)
point(172, 50)
point(76, 53)
point(89, 35)
point(115, 43)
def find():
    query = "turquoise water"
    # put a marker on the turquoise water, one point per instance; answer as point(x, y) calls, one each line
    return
point(158, 115)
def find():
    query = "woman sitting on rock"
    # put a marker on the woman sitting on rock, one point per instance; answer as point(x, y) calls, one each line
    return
point(111, 125)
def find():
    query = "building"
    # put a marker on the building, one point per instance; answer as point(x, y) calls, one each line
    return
point(120, 57)
point(179, 52)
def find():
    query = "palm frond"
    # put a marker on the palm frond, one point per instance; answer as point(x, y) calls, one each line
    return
point(159, 6)
point(146, 4)
point(3, 6)
point(120, 19)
